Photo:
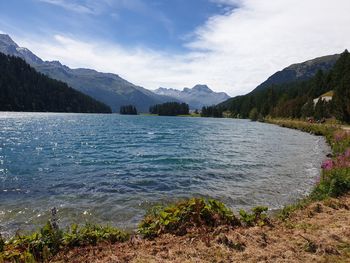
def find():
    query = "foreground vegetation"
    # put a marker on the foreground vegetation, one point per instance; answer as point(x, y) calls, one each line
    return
point(49, 240)
point(319, 232)
point(211, 223)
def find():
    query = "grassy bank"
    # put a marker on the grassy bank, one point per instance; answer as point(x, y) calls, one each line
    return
point(335, 176)
point(205, 230)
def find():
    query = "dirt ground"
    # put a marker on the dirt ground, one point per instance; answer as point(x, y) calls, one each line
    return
point(318, 233)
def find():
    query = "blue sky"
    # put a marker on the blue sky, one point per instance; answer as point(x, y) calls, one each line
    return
point(154, 24)
point(230, 45)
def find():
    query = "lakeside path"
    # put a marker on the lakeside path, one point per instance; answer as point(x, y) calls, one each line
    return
point(346, 127)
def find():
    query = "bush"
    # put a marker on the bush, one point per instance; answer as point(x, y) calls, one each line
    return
point(254, 114)
point(40, 245)
point(180, 217)
point(258, 217)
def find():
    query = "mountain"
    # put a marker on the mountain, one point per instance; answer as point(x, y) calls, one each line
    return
point(300, 71)
point(292, 96)
point(22, 88)
point(293, 73)
point(197, 97)
point(106, 87)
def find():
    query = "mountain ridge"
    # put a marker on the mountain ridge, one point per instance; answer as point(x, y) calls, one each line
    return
point(196, 97)
point(293, 73)
point(299, 71)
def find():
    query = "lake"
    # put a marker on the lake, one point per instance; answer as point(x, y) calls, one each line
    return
point(110, 168)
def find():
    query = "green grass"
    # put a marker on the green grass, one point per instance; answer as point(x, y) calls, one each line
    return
point(182, 115)
point(190, 115)
point(148, 114)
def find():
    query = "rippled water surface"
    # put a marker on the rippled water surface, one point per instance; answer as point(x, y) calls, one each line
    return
point(111, 168)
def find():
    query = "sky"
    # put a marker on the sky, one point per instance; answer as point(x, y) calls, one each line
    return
point(230, 45)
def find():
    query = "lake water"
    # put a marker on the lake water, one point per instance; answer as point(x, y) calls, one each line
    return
point(111, 168)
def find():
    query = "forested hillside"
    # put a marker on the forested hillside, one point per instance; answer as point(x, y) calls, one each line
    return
point(295, 99)
point(22, 88)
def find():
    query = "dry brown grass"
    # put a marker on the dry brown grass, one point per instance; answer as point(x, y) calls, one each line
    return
point(317, 233)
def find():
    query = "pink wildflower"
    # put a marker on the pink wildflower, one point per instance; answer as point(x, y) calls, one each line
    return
point(327, 165)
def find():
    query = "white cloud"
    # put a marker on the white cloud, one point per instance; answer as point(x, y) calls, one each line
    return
point(232, 52)
point(70, 6)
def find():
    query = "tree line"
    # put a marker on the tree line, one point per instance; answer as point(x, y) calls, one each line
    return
point(212, 111)
point(170, 109)
point(22, 88)
point(128, 110)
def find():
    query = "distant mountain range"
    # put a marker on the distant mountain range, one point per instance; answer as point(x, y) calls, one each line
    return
point(109, 88)
point(105, 87)
point(197, 97)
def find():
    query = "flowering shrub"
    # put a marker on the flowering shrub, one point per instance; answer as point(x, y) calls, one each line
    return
point(335, 179)
point(333, 183)
point(340, 161)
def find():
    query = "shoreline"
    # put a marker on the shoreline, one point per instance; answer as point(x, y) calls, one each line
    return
point(285, 214)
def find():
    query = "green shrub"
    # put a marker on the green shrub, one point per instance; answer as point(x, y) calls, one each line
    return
point(333, 183)
point(40, 245)
point(258, 217)
point(254, 114)
point(180, 217)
